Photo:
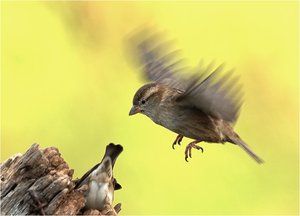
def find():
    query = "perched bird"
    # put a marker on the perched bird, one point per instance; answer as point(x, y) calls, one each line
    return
point(100, 180)
point(202, 106)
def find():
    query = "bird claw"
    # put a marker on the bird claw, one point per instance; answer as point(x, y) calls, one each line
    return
point(186, 158)
point(188, 149)
point(177, 141)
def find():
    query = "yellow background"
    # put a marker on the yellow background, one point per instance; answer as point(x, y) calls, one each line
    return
point(66, 82)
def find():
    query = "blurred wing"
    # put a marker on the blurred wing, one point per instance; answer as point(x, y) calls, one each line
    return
point(155, 59)
point(217, 95)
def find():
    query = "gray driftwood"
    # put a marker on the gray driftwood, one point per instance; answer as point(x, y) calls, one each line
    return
point(40, 182)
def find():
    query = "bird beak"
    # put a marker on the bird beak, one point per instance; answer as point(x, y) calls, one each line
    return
point(134, 110)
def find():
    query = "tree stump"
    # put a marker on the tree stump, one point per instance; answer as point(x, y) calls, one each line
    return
point(40, 182)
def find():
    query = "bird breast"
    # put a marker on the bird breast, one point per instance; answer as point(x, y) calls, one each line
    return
point(99, 195)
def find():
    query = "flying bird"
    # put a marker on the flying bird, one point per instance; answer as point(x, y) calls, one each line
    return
point(100, 180)
point(202, 104)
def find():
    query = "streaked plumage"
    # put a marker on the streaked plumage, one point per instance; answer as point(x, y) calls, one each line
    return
point(203, 106)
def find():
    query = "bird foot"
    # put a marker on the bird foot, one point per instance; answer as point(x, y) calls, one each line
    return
point(177, 140)
point(188, 149)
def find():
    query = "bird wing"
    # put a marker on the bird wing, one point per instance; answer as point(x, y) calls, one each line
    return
point(218, 94)
point(206, 89)
point(84, 179)
point(156, 61)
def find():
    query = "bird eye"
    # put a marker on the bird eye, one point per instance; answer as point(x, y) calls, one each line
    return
point(143, 101)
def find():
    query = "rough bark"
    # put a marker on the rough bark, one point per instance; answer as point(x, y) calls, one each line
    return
point(40, 182)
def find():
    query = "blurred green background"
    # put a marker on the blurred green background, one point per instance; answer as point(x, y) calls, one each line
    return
point(66, 83)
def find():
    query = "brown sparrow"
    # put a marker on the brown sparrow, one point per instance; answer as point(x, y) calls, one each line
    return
point(203, 106)
point(100, 180)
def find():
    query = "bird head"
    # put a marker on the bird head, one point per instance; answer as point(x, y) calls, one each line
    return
point(146, 100)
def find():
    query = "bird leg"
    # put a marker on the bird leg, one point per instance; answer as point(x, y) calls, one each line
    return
point(177, 140)
point(188, 149)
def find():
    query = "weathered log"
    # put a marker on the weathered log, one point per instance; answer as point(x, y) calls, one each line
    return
point(40, 182)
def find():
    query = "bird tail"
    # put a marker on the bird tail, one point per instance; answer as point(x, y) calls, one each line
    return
point(237, 140)
point(113, 151)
